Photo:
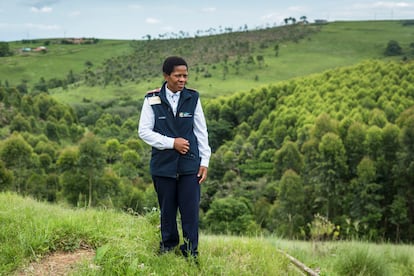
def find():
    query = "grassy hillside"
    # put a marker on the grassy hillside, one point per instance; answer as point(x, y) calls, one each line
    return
point(58, 61)
point(337, 44)
point(126, 245)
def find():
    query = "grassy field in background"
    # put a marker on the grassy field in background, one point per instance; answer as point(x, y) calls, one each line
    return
point(337, 44)
point(58, 61)
point(126, 244)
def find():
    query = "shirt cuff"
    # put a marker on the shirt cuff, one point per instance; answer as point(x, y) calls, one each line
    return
point(204, 162)
point(169, 142)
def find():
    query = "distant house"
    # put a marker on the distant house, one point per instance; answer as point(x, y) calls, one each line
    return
point(74, 40)
point(321, 21)
point(79, 41)
point(40, 49)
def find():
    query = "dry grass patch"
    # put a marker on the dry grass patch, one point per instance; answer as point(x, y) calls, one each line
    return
point(58, 263)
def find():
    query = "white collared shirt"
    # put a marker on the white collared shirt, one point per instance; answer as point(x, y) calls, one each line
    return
point(173, 99)
point(161, 142)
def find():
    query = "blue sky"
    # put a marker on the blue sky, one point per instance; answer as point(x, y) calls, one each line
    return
point(135, 19)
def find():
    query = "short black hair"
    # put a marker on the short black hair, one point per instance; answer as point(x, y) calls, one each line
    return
point(171, 62)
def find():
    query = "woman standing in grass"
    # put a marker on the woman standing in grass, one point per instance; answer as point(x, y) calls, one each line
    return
point(172, 121)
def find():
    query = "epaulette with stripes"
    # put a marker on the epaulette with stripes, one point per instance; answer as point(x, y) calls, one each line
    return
point(156, 90)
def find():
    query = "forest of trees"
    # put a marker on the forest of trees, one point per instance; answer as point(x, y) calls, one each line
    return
point(339, 145)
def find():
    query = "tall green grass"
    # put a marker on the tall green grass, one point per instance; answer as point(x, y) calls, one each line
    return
point(125, 244)
point(352, 257)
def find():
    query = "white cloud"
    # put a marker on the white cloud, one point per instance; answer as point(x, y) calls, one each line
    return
point(384, 4)
point(275, 17)
point(168, 28)
point(44, 9)
point(42, 27)
point(393, 4)
point(74, 13)
point(135, 6)
point(297, 9)
point(151, 20)
point(209, 10)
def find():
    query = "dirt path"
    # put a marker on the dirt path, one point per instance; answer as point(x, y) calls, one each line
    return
point(57, 264)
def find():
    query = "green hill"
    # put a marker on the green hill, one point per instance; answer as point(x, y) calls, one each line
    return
point(324, 47)
point(57, 61)
point(220, 64)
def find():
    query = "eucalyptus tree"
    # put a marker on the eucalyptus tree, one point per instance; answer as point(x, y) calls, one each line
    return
point(354, 146)
point(367, 199)
point(332, 168)
point(287, 158)
point(16, 154)
point(19, 124)
point(131, 164)
point(70, 178)
point(290, 212)
point(112, 147)
point(405, 169)
point(6, 177)
point(91, 162)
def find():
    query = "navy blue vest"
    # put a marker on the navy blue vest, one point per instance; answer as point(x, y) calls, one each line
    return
point(169, 162)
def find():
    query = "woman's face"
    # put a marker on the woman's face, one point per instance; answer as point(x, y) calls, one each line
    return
point(177, 79)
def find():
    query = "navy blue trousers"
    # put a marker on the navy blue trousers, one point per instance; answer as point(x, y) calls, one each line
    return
point(179, 194)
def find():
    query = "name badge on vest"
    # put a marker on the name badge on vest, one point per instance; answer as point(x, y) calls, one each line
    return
point(154, 100)
point(185, 115)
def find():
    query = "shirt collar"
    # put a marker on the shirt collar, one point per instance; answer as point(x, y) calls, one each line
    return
point(170, 93)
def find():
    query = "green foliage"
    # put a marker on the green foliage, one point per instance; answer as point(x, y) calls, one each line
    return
point(288, 158)
point(5, 49)
point(329, 137)
point(91, 162)
point(16, 154)
point(393, 48)
point(352, 257)
point(288, 211)
point(322, 229)
point(230, 216)
point(6, 177)
point(359, 261)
